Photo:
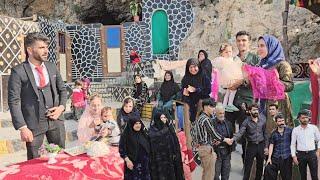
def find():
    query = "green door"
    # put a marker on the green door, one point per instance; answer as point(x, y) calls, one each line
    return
point(160, 30)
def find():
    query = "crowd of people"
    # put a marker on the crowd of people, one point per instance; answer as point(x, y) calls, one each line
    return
point(249, 89)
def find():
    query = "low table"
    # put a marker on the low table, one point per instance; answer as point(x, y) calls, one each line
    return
point(109, 167)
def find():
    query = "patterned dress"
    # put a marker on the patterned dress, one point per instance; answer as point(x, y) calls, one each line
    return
point(141, 97)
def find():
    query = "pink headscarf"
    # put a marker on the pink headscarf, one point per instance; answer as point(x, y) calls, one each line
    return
point(84, 132)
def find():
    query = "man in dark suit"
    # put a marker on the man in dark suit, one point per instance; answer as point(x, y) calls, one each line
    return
point(37, 97)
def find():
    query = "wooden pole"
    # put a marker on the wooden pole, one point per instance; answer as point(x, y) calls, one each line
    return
point(285, 29)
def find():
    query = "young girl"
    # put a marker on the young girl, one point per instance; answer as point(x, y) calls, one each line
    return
point(78, 100)
point(128, 109)
point(230, 71)
point(86, 88)
point(134, 148)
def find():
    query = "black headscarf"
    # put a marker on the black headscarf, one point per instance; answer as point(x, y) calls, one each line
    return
point(158, 128)
point(139, 86)
point(157, 123)
point(165, 149)
point(131, 140)
point(205, 64)
point(199, 81)
point(168, 88)
point(204, 52)
point(189, 79)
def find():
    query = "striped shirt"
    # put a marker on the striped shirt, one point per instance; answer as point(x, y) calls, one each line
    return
point(203, 131)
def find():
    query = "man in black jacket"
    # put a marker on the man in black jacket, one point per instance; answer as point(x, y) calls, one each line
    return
point(223, 150)
point(37, 97)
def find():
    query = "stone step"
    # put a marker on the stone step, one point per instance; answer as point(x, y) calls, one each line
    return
point(10, 141)
point(5, 119)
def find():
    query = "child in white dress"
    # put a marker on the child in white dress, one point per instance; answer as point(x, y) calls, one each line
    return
point(230, 71)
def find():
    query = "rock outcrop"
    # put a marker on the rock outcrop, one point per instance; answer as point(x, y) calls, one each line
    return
point(218, 21)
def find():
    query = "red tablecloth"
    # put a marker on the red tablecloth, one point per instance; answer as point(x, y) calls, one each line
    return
point(109, 167)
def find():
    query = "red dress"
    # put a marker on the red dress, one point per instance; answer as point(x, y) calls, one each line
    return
point(78, 98)
point(134, 58)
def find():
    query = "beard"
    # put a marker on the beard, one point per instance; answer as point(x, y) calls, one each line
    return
point(255, 115)
point(304, 122)
point(39, 57)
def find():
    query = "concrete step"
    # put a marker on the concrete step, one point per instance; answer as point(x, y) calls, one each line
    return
point(10, 141)
point(5, 119)
point(8, 159)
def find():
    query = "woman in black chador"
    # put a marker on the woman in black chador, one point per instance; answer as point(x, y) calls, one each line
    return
point(195, 86)
point(134, 148)
point(166, 162)
point(168, 92)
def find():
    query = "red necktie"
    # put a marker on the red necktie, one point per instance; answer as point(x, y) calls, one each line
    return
point(42, 79)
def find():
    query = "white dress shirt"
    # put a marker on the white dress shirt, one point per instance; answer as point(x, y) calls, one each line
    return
point(303, 139)
point(36, 75)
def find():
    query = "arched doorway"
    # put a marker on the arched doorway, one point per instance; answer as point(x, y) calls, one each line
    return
point(160, 31)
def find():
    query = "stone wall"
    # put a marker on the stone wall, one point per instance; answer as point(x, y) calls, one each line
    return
point(139, 35)
point(12, 32)
point(86, 51)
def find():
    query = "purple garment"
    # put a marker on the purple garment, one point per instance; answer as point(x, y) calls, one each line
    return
point(265, 83)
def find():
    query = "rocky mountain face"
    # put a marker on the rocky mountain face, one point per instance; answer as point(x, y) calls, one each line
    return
point(71, 11)
point(216, 21)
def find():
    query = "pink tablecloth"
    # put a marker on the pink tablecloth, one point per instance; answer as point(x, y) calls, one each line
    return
point(109, 167)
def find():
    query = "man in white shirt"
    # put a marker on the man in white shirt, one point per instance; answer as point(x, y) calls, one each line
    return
point(303, 146)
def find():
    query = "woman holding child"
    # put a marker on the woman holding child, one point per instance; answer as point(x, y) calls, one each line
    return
point(97, 122)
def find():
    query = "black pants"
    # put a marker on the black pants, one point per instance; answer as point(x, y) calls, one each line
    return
point(308, 159)
point(55, 133)
point(223, 164)
point(279, 164)
point(254, 151)
point(239, 117)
